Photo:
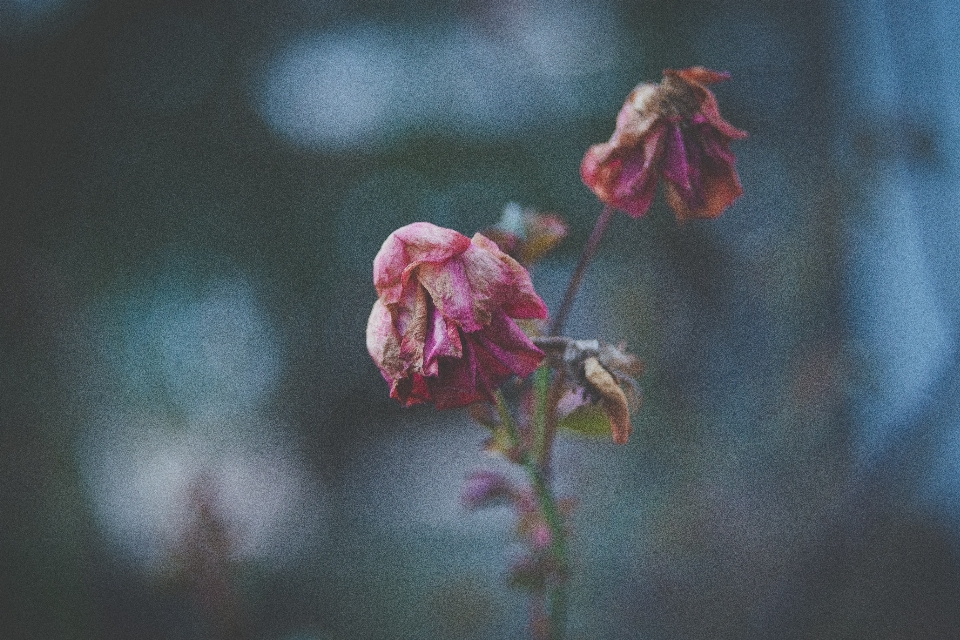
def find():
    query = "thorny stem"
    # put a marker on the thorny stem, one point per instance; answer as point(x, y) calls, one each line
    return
point(593, 243)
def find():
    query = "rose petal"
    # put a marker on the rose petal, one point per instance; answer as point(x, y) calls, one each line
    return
point(408, 247)
point(626, 177)
point(509, 345)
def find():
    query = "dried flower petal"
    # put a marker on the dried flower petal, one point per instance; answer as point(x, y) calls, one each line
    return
point(612, 399)
point(671, 130)
point(443, 329)
point(602, 374)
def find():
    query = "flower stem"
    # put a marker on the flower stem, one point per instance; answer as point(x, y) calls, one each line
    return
point(556, 587)
point(593, 243)
point(506, 419)
point(537, 465)
point(536, 462)
point(541, 442)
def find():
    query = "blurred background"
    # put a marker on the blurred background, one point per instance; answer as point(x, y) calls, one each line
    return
point(194, 443)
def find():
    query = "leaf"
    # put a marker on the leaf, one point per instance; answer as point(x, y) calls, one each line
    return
point(587, 420)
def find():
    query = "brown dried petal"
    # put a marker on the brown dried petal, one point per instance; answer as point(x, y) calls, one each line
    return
point(612, 399)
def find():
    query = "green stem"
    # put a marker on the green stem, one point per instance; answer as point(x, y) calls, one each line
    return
point(556, 590)
point(541, 443)
point(538, 465)
point(506, 419)
point(556, 594)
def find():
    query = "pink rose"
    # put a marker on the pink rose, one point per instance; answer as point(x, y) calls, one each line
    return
point(443, 330)
point(674, 130)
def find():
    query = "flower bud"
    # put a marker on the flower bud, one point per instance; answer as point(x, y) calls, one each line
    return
point(486, 489)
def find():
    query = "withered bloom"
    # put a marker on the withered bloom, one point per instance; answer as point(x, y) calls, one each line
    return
point(674, 130)
point(526, 235)
point(603, 375)
point(443, 329)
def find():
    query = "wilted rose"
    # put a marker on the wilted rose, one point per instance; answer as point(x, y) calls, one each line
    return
point(443, 329)
point(672, 130)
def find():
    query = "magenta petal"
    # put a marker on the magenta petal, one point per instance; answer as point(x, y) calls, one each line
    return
point(683, 165)
point(509, 345)
point(636, 183)
point(442, 340)
point(411, 391)
point(676, 167)
point(459, 382)
point(408, 247)
point(453, 291)
point(715, 146)
point(486, 488)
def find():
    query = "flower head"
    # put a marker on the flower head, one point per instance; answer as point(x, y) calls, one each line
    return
point(602, 375)
point(671, 130)
point(525, 235)
point(443, 329)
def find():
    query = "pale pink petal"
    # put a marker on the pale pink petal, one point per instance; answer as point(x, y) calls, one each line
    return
point(383, 341)
point(408, 247)
point(452, 291)
point(506, 342)
point(515, 295)
point(600, 169)
point(636, 116)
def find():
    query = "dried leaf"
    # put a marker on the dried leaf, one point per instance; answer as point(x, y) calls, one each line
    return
point(612, 399)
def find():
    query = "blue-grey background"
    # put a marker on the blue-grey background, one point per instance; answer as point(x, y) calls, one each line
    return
point(191, 430)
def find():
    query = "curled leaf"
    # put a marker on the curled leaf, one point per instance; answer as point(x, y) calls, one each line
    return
point(586, 419)
point(613, 400)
